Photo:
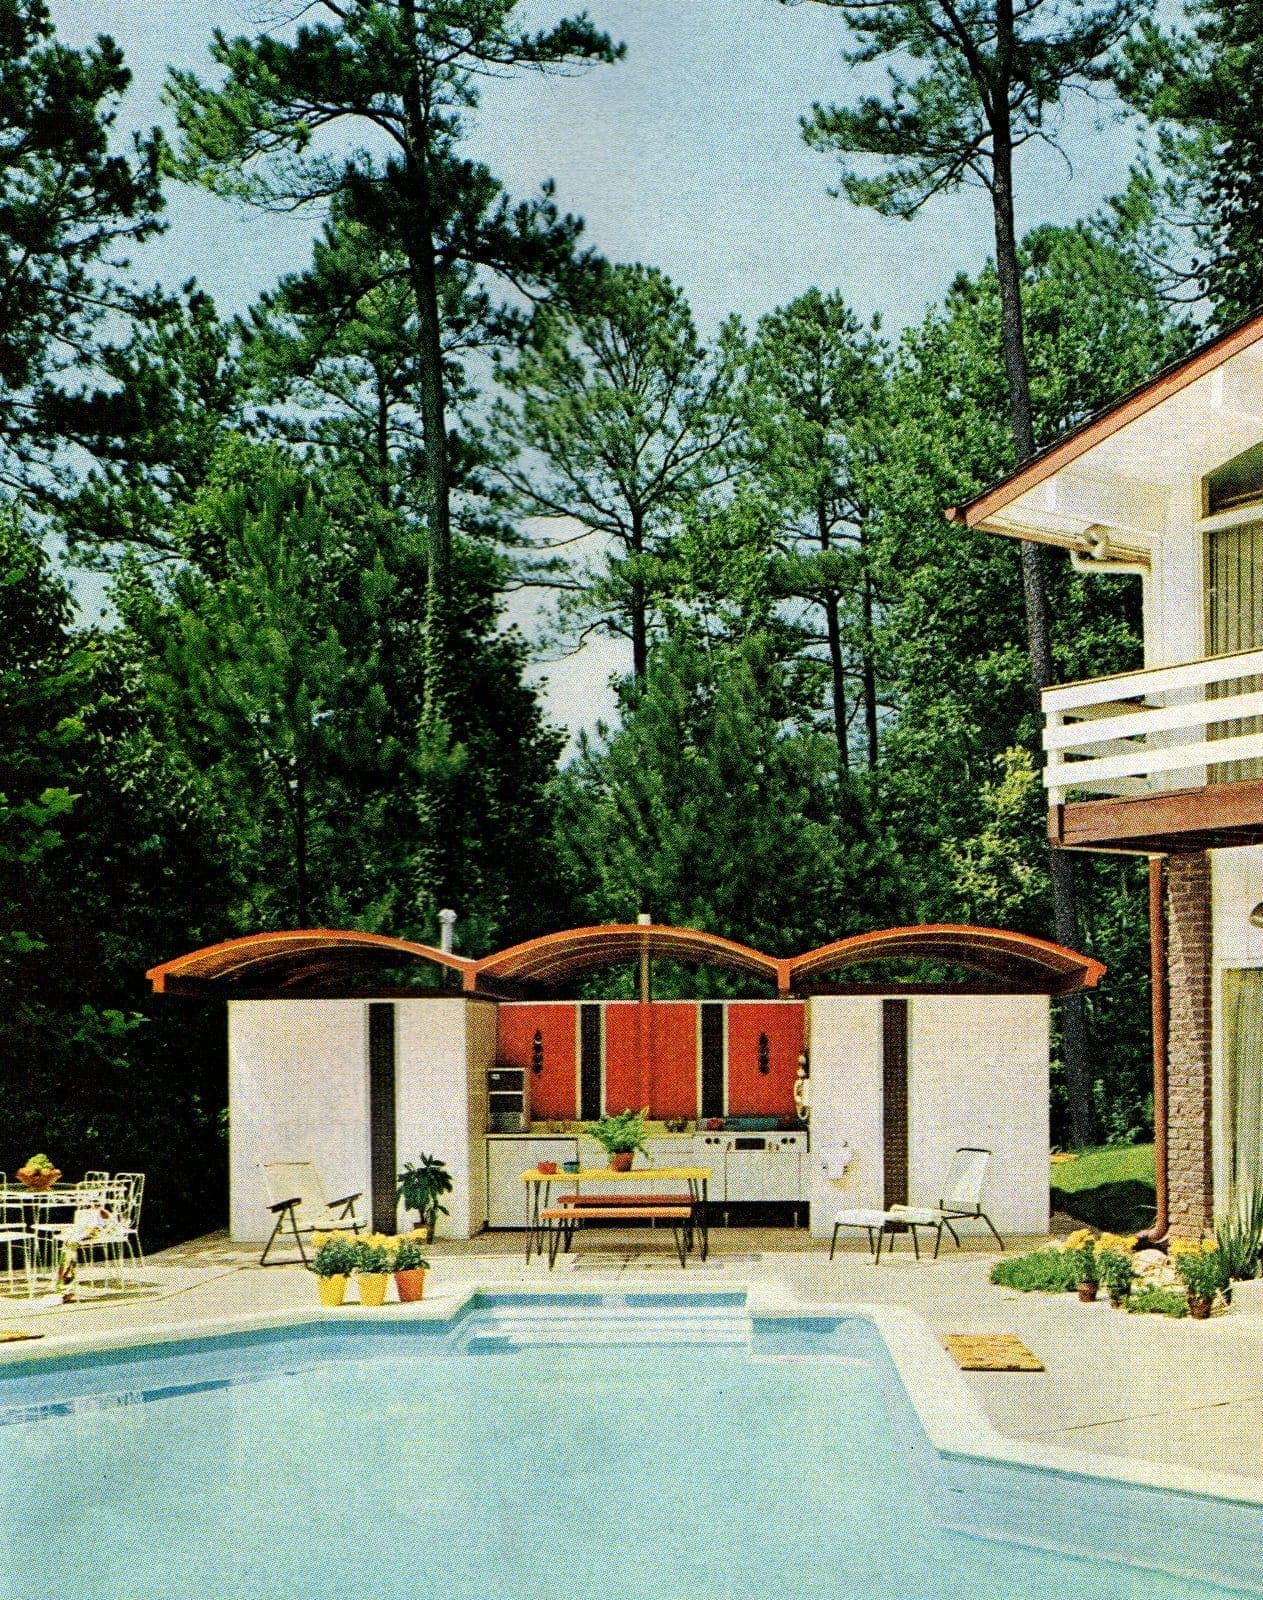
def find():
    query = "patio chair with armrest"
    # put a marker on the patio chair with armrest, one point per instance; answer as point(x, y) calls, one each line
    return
point(297, 1198)
point(13, 1231)
point(960, 1201)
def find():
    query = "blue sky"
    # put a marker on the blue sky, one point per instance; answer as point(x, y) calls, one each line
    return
point(686, 155)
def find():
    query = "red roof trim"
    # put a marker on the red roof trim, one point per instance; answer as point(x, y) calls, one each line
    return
point(1165, 383)
point(1019, 956)
point(237, 961)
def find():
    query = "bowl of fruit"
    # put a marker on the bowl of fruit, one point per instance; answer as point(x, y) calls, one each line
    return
point(39, 1173)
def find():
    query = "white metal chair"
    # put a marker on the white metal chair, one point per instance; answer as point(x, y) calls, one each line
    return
point(960, 1201)
point(297, 1197)
point(16, 1233)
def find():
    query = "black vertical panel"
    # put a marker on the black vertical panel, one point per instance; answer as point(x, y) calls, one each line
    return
point(894, 1100)
point(712, 1059)
point(590, 1107)
point(381, 1114)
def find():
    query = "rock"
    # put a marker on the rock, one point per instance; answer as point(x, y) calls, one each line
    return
point(1148, 1260)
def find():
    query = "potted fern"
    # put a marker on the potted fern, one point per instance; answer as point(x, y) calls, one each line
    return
point(621, 1136)
point(420, 1187)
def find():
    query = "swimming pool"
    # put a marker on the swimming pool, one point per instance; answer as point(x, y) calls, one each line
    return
point(595, 1447)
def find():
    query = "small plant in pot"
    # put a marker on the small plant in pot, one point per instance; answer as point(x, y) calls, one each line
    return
point(39, 1173)
point(410, 1265)
point(1200, 1264)
point(1081, 1248)
point(420, 1188)
point(333, 1264)
point(1114, 1262)
point(374, 1255)
point(621, 1136)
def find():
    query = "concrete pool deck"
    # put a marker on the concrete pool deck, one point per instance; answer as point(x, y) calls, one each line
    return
point(1172, 1392)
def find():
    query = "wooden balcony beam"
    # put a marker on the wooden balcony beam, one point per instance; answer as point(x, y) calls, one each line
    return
point(1212, 817)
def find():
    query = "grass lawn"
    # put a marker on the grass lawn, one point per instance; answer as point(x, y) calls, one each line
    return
point(1110, 1187)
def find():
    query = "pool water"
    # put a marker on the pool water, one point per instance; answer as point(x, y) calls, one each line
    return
point(637, 1452)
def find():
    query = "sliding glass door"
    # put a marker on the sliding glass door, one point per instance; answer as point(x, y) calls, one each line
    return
point(1243, 1078)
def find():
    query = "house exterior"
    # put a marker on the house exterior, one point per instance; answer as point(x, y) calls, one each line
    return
point(494, 1064)
point(1167, 761)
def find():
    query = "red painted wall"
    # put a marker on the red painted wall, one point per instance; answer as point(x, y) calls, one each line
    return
point(673, 1091)
point(627, 1057)
point(553, 1092)
point(750, 1094)
point(651, 1057)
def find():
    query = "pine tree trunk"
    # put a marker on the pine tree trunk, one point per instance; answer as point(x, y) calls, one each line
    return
point(638, 601)
point(833, 630)
point(1074, 1038)
point(868, 672)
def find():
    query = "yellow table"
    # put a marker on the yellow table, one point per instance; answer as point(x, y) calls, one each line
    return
point(539, 1185)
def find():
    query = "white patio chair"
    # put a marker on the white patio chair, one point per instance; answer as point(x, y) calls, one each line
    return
point(960, 1201)
point(104, 1224)
point(13, 1231)
point(297, 1198)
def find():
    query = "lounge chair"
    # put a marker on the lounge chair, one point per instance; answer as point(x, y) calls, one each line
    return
point(297, 1197)
point(960, 1201)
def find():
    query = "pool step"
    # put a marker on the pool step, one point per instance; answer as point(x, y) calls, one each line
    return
point(510, 1327)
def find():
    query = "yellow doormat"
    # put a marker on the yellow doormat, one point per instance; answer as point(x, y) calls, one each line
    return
point(991, 1352)
point(9, 1335)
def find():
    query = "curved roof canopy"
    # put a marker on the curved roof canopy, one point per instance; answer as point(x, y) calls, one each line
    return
point(1035, 965)
point(556, 958)
point(303, 962)
point(319, 960)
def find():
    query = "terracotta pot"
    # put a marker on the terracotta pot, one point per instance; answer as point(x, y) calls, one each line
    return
point(333, 1289)
point(1198, 1307)
point(39, 1180)
point(410, 1283)
point(1087, 1292)
point(372, 1287)
point(621, 1160)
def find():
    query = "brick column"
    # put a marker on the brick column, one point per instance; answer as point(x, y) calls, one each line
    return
point(1190, 1196)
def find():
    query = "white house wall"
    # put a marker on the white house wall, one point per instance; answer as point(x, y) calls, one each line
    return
point(977, 1075)
point(442, 1051)
point(297, 1091)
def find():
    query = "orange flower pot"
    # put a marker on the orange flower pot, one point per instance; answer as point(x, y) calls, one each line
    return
point(410, 1283)
point(621, 1160)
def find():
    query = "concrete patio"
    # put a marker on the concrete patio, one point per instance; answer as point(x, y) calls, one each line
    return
point(1175, 1392)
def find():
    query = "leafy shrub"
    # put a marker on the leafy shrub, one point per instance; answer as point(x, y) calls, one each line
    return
point(1050, 1270)
point(1201, 1266)
point(1166, 1302)
point(1239, 1235)
point(1117, 1273)
point(335, 1255)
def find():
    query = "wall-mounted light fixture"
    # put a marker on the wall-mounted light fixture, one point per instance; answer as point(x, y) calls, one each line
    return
point(1256, 916)
point(537, 1053)
point(765, 1063)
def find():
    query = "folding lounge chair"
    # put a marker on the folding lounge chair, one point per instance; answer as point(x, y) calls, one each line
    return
point(960, 1201)
point(297, 1198)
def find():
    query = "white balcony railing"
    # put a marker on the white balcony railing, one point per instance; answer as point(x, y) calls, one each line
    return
point(1140, 733)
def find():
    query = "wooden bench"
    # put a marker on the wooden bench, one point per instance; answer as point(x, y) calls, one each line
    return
point(561, 1219)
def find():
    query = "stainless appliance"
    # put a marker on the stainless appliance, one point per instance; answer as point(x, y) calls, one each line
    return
point(508, 1106)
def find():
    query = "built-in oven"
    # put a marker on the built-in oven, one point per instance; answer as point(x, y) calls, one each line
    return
point(764, 1166)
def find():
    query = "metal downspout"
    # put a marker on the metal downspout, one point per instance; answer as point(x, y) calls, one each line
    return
point(1161, 1013)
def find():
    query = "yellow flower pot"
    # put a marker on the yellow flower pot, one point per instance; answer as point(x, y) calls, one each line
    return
point(372, 1287)
point(332, 1290)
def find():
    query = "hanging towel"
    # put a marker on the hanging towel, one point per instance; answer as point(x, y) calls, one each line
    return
point(833, 1163)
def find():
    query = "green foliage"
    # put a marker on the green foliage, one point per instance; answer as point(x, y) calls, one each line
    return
point(1201, 1267)
point(1117, 1273)
point(1195, 208)
point(1163, 1302)
point(408, 1256)
point(374, 1252)
point(336, 1256)
point(710, 807)
point(1239, 1234)
point(421, 1185)
point(619, 418)
point(70, 206)
point(622, 1132)
point(1052, 1271)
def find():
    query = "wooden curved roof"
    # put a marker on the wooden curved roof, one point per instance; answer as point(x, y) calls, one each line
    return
point(556, 958)
point(1016, 958)
point(301, 962)
point(317, 960)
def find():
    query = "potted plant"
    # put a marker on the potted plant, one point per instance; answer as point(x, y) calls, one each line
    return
point(1117, 1271)
point(374, 1258)
point(621, 1136)
point(420, 1187)
point(1081, 1248)
point(39, 1173)
point(410, 1266)
point(1201, 1266)
point(333, 1264)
